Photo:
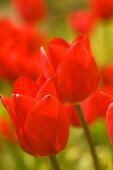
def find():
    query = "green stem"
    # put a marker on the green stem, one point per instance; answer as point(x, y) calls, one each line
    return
point(89, 138)
point(54, 162)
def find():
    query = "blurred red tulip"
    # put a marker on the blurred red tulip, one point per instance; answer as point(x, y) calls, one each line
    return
point(73, 67)
point(109, 122)
point(19, 50)
point(102, 8)
point(30, 10)
point(98, 103)
point(40, 122)
point(107, 75)
point(6, 131)
point(82, 21)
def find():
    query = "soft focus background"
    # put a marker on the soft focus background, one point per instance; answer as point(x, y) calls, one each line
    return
point(76, 155)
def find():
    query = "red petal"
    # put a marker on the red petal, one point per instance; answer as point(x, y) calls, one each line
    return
point(106, 74)
point(59, 42)
point(89, 111)
point(109, 122)
point(47, 88)
point(25, 86)
point(56, 50)
point(22, 105)
point(84, 40)
point(72, 115)
point(76, 74)
point(47, 127)
point(8, 104)
point(40, 81)
point(46, 66)
point(101, 102)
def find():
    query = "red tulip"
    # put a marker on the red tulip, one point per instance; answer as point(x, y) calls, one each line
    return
point(19, 51)
point(109, 122)
point(106, 75)
point(98, 104)
point(73, 67)
point(102, 8)
point(82, 21)
point(6, 131)
point(30, 10)
point(41, 125)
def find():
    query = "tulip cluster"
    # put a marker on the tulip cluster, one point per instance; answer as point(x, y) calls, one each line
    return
point(19, 50)
point(51, 79)
point(38, 112)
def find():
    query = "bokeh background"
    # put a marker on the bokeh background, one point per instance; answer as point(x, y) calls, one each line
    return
point(76, 155)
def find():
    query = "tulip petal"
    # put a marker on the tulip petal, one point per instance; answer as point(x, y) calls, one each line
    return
point(47, 68)
point(56, 50)
point(83, 39)
point(25, 86)
point(47, 88)
point(8, 104)
point(101, 102)
point(59, 42)
point(47, 127)
point(109, 122)
point(22, 105)
point(40, 81)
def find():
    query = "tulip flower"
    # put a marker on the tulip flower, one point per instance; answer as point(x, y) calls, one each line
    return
point(30, 10)
point(75, 71)
point(82, 21)
point(40, 122)
point(109, 122)
point(6, 131)
point(106, 75)
point(102, 8)
point(19, 51)
point(97, 105)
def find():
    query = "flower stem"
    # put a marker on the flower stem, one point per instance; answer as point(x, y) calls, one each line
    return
point(88, 137)
point(54, 162)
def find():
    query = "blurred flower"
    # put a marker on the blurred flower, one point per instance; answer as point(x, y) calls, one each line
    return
point(31, 10)
point(6, 130)
point(40, 122)
point(106, 75)
point(73, 67)
point(82, 21)
point(102, 8)
point(19, 50)
point(99, 103)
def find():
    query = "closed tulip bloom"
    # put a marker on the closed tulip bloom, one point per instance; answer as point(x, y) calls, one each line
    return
point(109, 122)
point(30, 10)
point(73, 67)
point(40, 122)
point(102, 8)
point(82, 21)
